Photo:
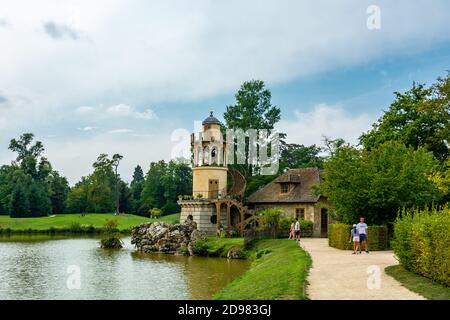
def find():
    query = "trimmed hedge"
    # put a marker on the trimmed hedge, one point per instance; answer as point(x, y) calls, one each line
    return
point(422, 243)
point(306, 228)
point(339, 235)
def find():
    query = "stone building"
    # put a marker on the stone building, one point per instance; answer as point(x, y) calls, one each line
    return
point(214, 206)
point(293, 192)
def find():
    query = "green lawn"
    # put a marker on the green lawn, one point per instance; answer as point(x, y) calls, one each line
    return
point(278, 272)
point(416, 283)
point(218, 247)
point(64, 221)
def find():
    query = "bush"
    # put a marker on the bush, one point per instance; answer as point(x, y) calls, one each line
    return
point(306, 227)
point(421, 243)
point(155, 213)
point(339, 236)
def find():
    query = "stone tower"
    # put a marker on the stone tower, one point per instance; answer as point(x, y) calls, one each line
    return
point(209, 167)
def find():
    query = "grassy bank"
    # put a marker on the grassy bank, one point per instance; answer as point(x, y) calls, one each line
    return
point(416, 283)
point(217, 247)
point(278, 271)
point(90, 223)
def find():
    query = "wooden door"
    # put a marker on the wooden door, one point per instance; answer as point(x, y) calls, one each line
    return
point(213, 189)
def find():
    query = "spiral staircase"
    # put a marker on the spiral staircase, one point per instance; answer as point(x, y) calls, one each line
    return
point(234, 201)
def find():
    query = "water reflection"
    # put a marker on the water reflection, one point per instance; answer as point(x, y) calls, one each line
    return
point(33, 268)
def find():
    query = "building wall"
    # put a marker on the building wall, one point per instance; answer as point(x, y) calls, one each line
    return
point(202, 175)
point(313, 212)
point(201, 212)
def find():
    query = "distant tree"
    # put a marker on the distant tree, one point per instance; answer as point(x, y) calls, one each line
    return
point(38, 199)
point(419, 117)
point(125, 203)
point(136, 188)
point(77, 199)
point(377, 183)
point(299, 156)
point(163, 183)
point(19, 205)
point(116, 158)
point(59, 189)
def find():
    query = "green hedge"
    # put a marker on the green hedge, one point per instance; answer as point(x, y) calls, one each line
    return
point(306, 228)
point(422, 243)
point(339, 235)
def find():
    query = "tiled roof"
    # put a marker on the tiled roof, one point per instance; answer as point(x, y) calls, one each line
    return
point(302, 181)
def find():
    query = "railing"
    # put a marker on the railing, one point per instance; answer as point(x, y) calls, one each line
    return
point(205, 195)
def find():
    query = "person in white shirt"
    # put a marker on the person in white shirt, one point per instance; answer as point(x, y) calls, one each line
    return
point(297, 229)
point(362, 231)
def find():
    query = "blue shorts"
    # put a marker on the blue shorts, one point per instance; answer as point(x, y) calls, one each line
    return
point(362, 237)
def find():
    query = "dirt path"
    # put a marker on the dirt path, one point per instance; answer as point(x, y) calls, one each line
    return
point(339, 275)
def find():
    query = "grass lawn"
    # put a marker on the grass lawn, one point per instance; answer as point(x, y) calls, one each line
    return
point(219, 247)
point(416, 283)
point(279, 270)
point(62, 221)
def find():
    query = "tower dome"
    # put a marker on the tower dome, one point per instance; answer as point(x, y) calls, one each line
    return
point(211, 120)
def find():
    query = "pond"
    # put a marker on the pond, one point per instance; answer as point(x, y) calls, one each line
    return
point(40, 267)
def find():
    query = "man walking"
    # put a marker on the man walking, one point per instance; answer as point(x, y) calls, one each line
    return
point(297, 229)
point(362, 231)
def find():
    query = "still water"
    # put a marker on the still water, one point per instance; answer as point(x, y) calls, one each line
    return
point(39, 268)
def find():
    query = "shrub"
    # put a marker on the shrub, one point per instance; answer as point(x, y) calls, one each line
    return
point(306, 227)
point(155, 213)
point(421, 243)
point(339, 236)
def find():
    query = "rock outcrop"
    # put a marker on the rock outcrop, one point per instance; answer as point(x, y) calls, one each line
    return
point(168, 238)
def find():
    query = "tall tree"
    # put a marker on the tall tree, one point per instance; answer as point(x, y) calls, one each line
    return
point(59, 189)
point(419, 117)
point(19, 205)
point(136, 189)
point(116, 158)
point(253, 110)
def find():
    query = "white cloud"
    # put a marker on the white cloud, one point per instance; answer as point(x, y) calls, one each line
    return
point(87, 128)
point(332, 121)
point(120, 131)
point(124, 110)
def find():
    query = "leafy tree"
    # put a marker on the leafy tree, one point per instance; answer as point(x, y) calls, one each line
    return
point(125, 204)
point(253, 110)
point(299, 156)
point(19, 205)
point(378, 182)
point(115, 161)
point(419, 117)
point(163, 183)
point(59, 189)
point(38, 199)
point(136, 188)
point(77, 199)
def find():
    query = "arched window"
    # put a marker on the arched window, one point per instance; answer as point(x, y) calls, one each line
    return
point(206, 155)
point(214, 155)
point(199, 156)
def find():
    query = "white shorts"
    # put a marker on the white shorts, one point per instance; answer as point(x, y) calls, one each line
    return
point(356, 239)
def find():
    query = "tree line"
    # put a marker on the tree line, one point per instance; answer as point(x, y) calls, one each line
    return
point(403, 161)
point(29, 187)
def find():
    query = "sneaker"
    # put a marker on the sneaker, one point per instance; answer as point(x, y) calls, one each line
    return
point(367, 251)
point(354, 253)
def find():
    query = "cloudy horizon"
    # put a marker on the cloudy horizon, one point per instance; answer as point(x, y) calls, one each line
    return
point(119, 77)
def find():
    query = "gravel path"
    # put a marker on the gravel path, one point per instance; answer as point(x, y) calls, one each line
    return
point(339, 275)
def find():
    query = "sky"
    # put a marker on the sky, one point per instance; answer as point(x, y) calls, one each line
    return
point(133, 77)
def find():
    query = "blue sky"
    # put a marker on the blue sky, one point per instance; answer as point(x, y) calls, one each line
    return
point(126, 76)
